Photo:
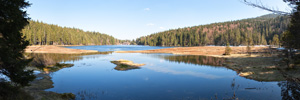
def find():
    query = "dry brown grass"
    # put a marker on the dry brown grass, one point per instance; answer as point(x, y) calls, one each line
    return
point(216, 51)
point(262, 65)
point(55, 49)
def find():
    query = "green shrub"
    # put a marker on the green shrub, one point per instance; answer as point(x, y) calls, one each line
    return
point(227, 49)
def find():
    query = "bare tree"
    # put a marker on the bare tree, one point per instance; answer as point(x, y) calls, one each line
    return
point(259, 4)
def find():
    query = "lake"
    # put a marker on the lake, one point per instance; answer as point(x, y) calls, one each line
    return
point(117, 47)
point(164, 77)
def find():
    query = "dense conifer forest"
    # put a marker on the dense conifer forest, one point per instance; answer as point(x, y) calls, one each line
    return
point(39, 33)
point(261, 30)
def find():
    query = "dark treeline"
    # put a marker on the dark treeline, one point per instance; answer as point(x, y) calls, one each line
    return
point(262, 30)
point(39, 33)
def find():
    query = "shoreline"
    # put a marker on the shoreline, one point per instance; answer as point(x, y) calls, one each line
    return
point(55, 49)
point(260, 66)
point(213, 51)
point(40, 84)
point(238, 61)
point(264, 64)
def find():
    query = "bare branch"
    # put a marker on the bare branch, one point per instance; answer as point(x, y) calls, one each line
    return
point(261, 6)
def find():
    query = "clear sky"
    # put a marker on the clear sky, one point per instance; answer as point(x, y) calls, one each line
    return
point(130, 19)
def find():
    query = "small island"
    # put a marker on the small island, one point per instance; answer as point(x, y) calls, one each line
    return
point(124, 65)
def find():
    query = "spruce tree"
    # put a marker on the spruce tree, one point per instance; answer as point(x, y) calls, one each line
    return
point(13, 18)
point(227, 49)
point(294, 28)
point(275, 41)
point(291, 38)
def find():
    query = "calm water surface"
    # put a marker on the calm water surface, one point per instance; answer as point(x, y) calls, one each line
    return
point(164, 77)
point(117, 47)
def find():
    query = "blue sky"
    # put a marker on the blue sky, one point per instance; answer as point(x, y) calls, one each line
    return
point(130, 19)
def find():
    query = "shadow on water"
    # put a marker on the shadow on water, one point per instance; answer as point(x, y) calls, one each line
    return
point(290, 89)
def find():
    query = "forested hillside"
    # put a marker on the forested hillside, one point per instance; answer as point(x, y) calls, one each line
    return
point(41, 33)
point(262, 30)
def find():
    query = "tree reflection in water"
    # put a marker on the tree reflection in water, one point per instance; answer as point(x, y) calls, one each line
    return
point(194, 59)
point(289, 83)
point(53, 62)
point(290, 89)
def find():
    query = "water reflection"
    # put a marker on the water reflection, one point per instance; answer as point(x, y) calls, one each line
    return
point(190, 73)
point(167, 78)
point(122, 67)
point(288, 79)
point(269, 73)
point(45, 60)
point(53, 62)
point(193, 59)
point(289, 90)
point(190, 59)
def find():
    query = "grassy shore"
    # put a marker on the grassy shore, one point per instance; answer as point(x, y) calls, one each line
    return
point(55, 49)
point(264, 63)
point(216, 51)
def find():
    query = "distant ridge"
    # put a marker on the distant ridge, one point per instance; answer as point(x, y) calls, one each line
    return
point(269, 16)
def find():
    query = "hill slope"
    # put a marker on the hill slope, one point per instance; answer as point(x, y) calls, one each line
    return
point(258, 31)
point(41, 33)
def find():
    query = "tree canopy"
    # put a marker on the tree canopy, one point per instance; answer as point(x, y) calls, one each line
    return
point(260, 31)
